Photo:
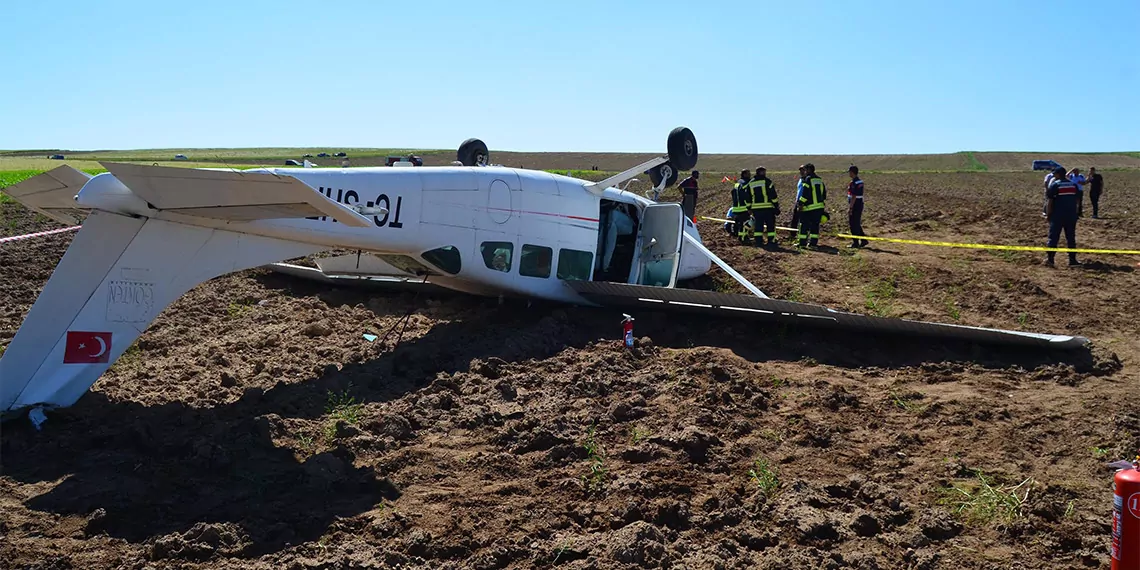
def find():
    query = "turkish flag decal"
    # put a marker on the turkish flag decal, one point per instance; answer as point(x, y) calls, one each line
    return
point(87, 347)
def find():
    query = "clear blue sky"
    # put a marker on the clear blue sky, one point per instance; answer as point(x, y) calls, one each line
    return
point(826, 77)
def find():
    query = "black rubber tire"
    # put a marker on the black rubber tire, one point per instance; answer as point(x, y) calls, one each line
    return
point(682, 147)
point(473, 153)
point(663, 171)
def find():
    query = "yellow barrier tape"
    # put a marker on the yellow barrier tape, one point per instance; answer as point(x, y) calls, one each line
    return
point(965, 245)
point(991, 246)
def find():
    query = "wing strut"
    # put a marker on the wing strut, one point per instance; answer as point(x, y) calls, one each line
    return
point(726, 267)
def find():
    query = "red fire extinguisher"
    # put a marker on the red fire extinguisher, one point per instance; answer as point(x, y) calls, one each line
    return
point(1126, 519)
point(627, 330)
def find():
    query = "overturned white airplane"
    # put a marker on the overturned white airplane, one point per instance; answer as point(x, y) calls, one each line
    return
point(152, 233)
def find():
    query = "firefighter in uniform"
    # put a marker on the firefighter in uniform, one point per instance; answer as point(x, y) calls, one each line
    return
point(741, 201)
point(765, 206)
point(1063, 205)
point(812, 202)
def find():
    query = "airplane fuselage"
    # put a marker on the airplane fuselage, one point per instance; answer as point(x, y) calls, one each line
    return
point(482, 230)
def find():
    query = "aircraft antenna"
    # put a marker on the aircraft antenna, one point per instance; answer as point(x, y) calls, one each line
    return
point(223, 161)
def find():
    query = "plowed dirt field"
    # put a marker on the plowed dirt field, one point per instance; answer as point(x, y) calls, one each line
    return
point(253, 427)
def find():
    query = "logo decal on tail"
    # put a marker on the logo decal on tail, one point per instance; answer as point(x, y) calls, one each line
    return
point(87, 347)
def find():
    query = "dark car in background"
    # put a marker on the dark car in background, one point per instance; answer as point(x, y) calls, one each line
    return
point(1045, 165)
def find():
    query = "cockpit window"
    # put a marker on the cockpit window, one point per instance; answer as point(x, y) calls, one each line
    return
point(445, 258)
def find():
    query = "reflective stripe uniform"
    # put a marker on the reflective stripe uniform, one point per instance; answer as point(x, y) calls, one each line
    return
point(765, 206)
point(741, 202)
point(812, 200)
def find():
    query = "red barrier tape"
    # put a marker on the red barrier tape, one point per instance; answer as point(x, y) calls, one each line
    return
point(38, 234)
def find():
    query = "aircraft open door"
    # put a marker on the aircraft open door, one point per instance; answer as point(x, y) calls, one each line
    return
point(662, 229)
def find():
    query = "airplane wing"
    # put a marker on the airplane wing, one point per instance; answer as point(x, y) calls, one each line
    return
point(52, 194)
point(359, 263)
point(230, 195)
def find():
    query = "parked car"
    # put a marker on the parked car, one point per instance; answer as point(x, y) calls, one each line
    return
point(415, 160)
point(292, 162)
point(1045, 165)
point(307, 156)
point(180, 157)
point(323, 155)
point(56, 157)
point(340, 154)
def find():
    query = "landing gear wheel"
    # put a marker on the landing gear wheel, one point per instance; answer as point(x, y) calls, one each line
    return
point(664, 172)
point(473, 153)
point(682, 147)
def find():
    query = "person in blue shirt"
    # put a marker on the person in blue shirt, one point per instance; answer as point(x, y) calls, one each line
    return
point(795, 223)
point(1063, 205)
point(855, 207)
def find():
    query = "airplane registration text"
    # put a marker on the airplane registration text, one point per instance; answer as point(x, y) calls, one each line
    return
point(390, 219)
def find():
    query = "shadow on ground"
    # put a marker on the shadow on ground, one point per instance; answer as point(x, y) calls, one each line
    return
point(141, 472)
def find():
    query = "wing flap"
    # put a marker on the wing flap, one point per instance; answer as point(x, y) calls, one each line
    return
point(359, 264)
point(230, 195)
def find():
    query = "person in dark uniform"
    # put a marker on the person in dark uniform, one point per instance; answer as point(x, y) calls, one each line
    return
point(813, 196)
point(855, 207)
point(1063, 205)
point(689, 190)
point(1096, 186)
point(741, 199)
point(765, 206)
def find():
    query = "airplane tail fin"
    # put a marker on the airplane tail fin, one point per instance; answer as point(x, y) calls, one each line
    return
point(117, 275)
point(53, 194)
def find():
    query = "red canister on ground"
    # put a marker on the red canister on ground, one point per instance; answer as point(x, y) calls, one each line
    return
point(1126, 520)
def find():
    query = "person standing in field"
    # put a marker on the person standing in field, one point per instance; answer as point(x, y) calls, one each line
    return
point(1063, 204)
point(741, 201)
point(1048, 180)
point(1077, 178)
point(812, 203)
point(765, 206)
point(689, 189)
point(795, 223)
point(1096, 186)
point(855, 207)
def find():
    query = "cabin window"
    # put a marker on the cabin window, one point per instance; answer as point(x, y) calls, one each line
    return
point(497, 255)
point(535, 261)
point(574, 265)
point(446, 258)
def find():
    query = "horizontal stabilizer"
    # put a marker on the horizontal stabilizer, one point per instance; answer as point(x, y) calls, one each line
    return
point(52, 194)
point(230, 195)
